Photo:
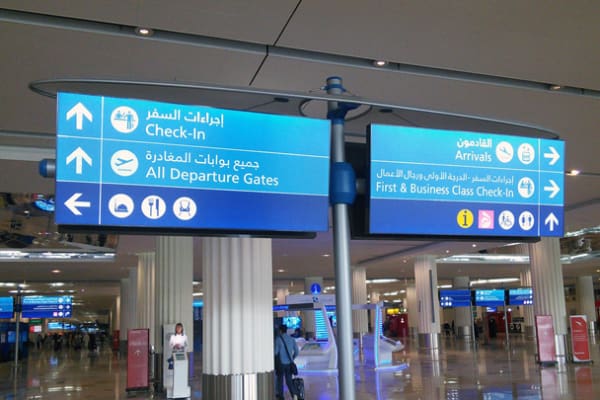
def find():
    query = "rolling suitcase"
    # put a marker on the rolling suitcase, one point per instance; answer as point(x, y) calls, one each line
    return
point(299, 384)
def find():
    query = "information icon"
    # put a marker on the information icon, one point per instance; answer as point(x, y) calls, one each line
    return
point(124, 119)
point(184, 208)
point(124, 163)
point(153, 207)
point(465, 218)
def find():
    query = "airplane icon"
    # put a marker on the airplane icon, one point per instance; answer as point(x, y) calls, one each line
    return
point(122, 161)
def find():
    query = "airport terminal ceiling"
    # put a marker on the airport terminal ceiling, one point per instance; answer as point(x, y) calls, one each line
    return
point(533, 64)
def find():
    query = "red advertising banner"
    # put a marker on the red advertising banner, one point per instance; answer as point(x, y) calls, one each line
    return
point(546, 346)
point(580, 343)
point(138, 348)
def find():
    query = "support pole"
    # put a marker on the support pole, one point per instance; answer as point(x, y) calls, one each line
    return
point(341, 239)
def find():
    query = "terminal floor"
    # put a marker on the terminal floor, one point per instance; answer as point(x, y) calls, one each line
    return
point(490, 373)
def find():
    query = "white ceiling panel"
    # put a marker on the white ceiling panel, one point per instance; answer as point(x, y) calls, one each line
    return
point(536, 40)
point(258, 21)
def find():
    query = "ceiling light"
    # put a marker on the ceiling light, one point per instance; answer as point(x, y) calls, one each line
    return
point(56, 271)
point(598, 270)
point(573, 172)
point(281, 270)
point(198, 294)
point(474, 245)
point(140, 31)
point(326, 255)
point(555, 87)
point(57, 284)
point(382, 280)
point(380, 63)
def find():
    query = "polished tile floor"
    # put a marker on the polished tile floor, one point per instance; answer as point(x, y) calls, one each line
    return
point(490, 373)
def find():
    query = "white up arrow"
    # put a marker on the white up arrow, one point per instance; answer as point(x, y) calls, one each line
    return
point(553, 189)
point(551, 221)
point(72, 203)
point(79, 155)
point(553, 155)
point(79, 111)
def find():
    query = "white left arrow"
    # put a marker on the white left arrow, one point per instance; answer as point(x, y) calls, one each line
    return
point(72, 203)
point(553, 189)
point(79, 155)
point(79, 111)
point(551, 221)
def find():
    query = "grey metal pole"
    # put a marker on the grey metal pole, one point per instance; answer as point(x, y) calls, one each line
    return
point(17, 323)
point(506, 324)
point(341, 239)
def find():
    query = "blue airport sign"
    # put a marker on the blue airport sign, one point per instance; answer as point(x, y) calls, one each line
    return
point(436, 182)
point(6, 307)
point(136, 163)
point(47, 306)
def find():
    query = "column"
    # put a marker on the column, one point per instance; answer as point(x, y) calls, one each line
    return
point(374, 299)
point(413, 310)
point(238, 319)
point(427, 305)
point(359, 296)
point(128, 307)
point(146, 293)
point(586, 304)
point(174, 289)
point(281, 294)
point(115, 321)
point(548, 289)
point(528, 310)
point(308, 318)
point(462, 315)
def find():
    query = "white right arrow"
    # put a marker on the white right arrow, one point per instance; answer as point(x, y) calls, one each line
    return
point(72, 203)
point(79, 155)
point(551, 221)
point(553, 155)
point(553, 189)
point(79, 111)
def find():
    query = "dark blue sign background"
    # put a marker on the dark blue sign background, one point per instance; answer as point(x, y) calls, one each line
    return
point(489, 297)
point(47, 306)
point(455, 298)
point(434, 182)
point(520, 296)
point(135, 163)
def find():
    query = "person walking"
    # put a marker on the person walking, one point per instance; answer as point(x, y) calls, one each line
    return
point(286, 351)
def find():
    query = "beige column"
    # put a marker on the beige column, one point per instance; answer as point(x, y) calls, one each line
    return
point(427, 304)
point(548, 289)
point(237, 362)
point(146, 293)
point(586, 302)
point(359, 296)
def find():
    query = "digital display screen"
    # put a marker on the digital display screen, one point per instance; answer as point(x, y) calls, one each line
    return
point(426, 182)
point(455, 298)
point(489, 297)
point(154, 166)
point(6, 307)
point(47, 306)
point(292, 322)
point(520, 296)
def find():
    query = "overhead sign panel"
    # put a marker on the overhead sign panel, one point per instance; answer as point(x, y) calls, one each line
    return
point(6, 307)
point(455, 298)
point(435, 182)
point(520, 296)
point(489, 297)
point(135, 163)
point(47, 306)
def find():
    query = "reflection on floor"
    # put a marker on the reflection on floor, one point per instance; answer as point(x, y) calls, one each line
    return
point(490, 373)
